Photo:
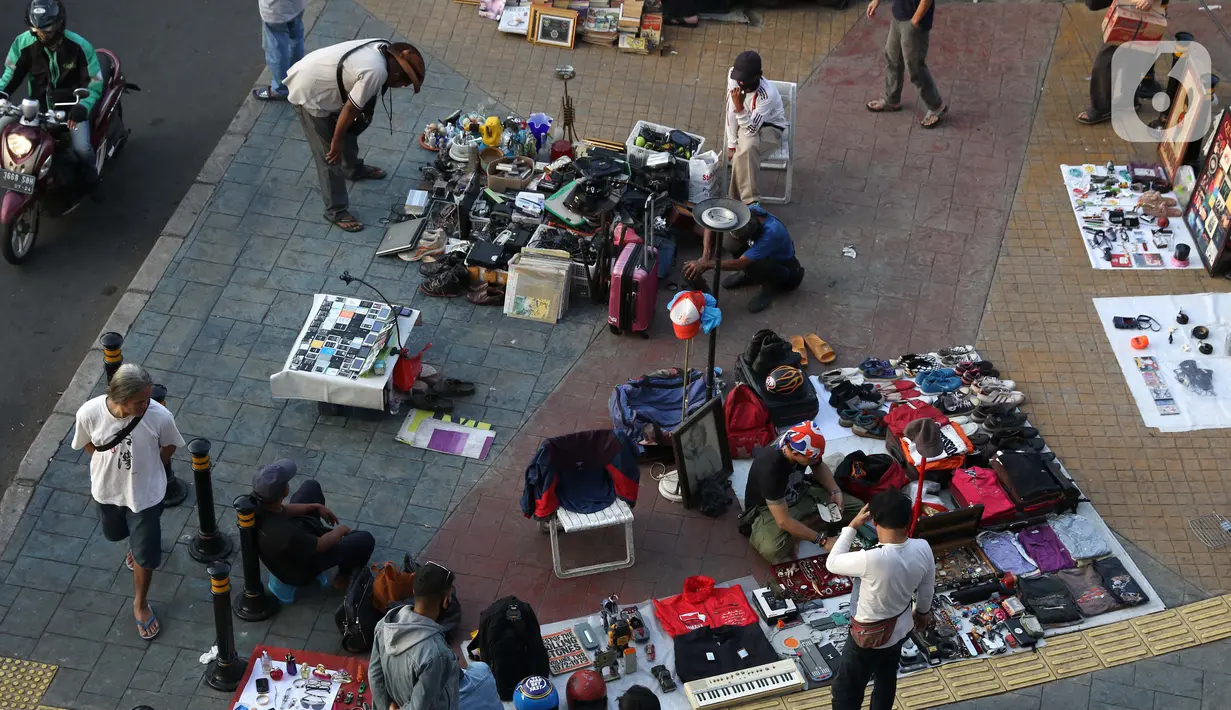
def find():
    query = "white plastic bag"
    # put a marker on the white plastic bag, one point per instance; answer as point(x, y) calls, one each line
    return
point(702, 177)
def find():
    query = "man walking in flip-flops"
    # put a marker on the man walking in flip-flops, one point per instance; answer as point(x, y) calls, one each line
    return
point(907, 48)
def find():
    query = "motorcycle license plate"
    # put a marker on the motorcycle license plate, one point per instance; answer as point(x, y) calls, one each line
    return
point(17, 182)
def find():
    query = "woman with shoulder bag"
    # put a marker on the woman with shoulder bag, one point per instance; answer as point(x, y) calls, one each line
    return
point(888, 577)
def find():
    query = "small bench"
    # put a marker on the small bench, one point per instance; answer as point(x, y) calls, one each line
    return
point(783, 159)
point(618, 513)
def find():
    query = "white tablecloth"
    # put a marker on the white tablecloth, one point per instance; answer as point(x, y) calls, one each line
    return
point(367, 391)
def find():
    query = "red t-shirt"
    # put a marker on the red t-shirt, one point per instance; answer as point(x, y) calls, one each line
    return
point(702, 604)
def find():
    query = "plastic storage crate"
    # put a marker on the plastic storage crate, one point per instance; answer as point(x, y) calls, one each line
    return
point(637, 156)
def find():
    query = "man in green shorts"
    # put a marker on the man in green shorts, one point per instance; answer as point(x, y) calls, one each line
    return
point(785, 505)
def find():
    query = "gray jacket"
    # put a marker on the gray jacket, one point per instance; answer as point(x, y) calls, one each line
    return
point(412, 665)
point(278, 11)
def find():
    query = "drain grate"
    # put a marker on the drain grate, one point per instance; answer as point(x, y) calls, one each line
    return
point(1213, 529)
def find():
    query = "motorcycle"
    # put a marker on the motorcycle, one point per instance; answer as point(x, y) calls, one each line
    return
point(32, 183)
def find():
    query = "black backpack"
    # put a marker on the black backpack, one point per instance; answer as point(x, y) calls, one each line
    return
point(510, 642)
point(356, 617)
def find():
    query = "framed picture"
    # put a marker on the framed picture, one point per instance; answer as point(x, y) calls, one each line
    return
point(555, 28)
point(701, 449)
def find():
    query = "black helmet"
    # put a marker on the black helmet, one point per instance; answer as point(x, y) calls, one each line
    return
point(47, 19)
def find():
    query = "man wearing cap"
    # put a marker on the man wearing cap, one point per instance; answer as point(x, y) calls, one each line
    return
point(755, 123)
point(764, 255)
point(293, 539)
point(783, 505)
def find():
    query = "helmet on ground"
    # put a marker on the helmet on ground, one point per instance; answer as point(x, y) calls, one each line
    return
point(586, 690)
point(536, 693)
point(47, 20)
point(805, 439)
point(784, 379)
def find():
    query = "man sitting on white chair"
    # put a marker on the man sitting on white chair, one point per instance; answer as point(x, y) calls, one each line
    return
point(755, 122)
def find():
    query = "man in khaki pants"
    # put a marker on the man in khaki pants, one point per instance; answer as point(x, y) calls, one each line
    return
point(755, 122)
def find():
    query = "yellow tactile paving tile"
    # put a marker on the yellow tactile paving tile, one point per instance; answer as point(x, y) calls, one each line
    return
point(763, 704)
point(822, 699)
point(22, 683)
point(1020, 670)
point(1210, 619)
point(925, 689)
point(971, 679)
point(1069, 655)
point(1118, 643)
point(1165, 632)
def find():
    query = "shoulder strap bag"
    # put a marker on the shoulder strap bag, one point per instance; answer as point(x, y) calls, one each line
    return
point(877, 633)
point(369, 109)
point(128, 429)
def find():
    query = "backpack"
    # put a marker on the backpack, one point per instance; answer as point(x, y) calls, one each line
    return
point(356, 616)
point(510, 642)
point(748, 422)
point(864, 476)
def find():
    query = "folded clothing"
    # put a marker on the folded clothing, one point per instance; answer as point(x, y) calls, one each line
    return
point(1080, 537)
point(1050, 600)
point(1004, 552)
point(975, 485)
point(707, 652)
point(1041, 543)
point(1028, 481)
point(1118, 580)
point(1089, 593)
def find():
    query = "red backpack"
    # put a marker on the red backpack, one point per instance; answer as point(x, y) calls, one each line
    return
point(748, 423)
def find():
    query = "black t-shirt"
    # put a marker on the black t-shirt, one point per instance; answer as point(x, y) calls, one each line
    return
point(286, 544)
point(905, 10)
point(773, 476)
point(707, 652)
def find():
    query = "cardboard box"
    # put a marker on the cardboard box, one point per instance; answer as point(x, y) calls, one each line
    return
point(1124, 23)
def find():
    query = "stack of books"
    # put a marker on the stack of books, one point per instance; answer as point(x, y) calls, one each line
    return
point(630, 17)
point(652, 28)
point(633, 44)
point(601, 24)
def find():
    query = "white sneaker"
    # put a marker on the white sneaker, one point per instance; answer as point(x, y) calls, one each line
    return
point(984, 384)
point(1005, 399)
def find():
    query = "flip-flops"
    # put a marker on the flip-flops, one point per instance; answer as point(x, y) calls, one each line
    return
point(143, 629)
point(797, 344)
point(820, 349)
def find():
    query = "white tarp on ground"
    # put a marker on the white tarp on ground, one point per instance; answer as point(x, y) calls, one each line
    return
point(1193, 409)
point(1141, 251)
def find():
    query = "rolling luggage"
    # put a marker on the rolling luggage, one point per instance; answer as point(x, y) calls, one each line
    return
point(634, 284)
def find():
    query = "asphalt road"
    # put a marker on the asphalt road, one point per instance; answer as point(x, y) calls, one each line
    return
point(194, 61)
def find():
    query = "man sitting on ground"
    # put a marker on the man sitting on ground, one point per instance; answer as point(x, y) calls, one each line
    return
point(412, 666)
point(783, 503)
point(764, 255)
point(889, 576)
point(292, 538)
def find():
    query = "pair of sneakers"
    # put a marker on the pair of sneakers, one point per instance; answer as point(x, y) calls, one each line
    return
point(994, 392)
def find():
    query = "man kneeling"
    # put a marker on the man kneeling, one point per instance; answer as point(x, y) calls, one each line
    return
point(784, 504)
point(294, 542)
point(764, 256)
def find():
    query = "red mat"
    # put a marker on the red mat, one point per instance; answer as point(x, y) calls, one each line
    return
point(350, 664)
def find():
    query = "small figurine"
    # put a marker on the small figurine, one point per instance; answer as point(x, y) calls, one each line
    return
point(320, 673)
point(291, 668)
point(649, 653)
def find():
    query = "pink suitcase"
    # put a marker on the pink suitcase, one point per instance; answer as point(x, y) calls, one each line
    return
point(633, 297)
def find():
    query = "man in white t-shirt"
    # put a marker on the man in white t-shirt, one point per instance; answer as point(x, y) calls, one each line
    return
point(333, 116)
point(888, 577)
point(130, 439)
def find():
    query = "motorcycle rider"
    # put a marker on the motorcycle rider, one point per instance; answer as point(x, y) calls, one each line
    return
point(56, 62)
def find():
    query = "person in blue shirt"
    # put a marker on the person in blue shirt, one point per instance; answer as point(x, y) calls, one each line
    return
point(764, 255)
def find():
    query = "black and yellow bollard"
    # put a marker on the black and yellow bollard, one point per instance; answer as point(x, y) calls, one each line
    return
point(176, 490)
point(113, 356)
point(210, 543)
point(227, 669)
point(252, 603)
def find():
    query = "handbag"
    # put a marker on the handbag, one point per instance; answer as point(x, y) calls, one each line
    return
point(876, 633)
point(391, 585)
point(128, 429)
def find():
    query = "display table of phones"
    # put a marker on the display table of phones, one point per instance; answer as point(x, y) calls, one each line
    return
point(327, 677)
point(341, 355)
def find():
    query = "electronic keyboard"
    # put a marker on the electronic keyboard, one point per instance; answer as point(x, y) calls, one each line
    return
point(778, 678)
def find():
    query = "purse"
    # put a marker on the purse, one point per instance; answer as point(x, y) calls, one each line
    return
point(128, 429)
point(876, 633)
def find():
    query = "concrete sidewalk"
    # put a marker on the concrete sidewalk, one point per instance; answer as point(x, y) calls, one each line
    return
point(217, 306)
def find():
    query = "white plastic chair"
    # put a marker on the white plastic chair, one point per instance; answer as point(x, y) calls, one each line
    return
point(784, 158)
point(618, 513)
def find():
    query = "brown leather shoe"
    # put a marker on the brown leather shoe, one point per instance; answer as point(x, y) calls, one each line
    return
point(487, 296)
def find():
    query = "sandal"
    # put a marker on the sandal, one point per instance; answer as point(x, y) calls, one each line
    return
point(266, 93)
point(346, 222)
point(370, 172)
point(143, 629)
point(1089, 118)
point(797, 344)
point(128, 561)
point(931, 118)
point(882, 106)
point(430, 401)
point(821, 350)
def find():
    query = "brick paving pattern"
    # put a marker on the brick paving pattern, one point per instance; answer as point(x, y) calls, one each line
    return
point(931, 271)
